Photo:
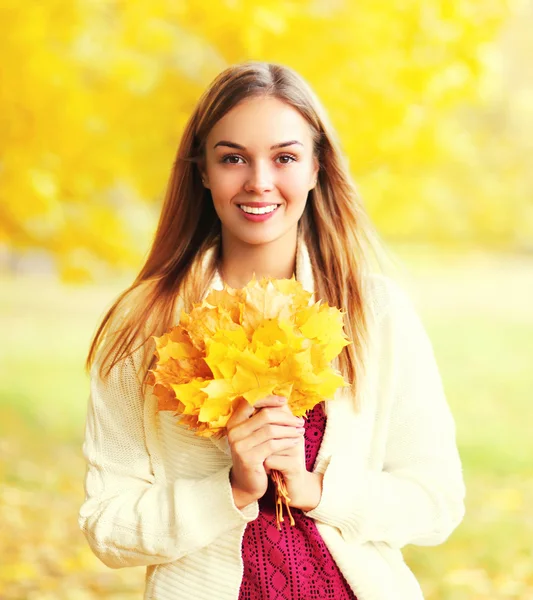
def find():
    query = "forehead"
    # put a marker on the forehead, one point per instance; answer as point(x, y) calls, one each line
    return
point(259, 122)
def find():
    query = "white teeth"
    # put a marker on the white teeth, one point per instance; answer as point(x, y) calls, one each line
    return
point(258, 211)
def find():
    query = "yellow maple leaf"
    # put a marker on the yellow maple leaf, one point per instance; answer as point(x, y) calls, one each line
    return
point(269, 332)
point(292, 287)
point(219, 360)
point(232, 337)
point(230, 299)
point(166, 399)
point(253, 386)
point(263, 301)
point(204, 321)
point(214, 408)
point(175, 344)
point(325, 326)
point(191, 395)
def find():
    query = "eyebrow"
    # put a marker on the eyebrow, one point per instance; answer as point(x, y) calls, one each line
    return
point(239, 147)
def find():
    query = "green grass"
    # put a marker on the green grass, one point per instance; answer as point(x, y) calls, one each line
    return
point(477, 310)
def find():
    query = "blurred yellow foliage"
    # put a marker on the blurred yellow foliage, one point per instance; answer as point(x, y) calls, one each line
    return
point(95, 94)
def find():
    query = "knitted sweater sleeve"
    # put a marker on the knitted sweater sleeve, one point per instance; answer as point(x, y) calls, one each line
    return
point(129, 518)
point(418, 495)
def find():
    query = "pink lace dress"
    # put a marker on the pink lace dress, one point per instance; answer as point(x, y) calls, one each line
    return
point(294, 562)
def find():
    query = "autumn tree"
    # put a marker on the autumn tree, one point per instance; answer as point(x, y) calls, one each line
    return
point(94, 96)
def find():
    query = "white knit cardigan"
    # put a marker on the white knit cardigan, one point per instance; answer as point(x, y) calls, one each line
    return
point(160, 497)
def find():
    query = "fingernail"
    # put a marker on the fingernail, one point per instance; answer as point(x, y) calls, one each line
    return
point(282, 399)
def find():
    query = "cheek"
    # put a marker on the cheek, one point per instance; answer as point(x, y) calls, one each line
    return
point(225, 184)
point(294, 186)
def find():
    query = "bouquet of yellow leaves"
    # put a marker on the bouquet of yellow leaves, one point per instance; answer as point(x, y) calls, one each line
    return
point(266, 338)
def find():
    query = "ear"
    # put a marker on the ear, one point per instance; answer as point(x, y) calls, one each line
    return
point(314, 174)
point(203, 175)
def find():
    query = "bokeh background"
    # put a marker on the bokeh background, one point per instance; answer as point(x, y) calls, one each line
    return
point(433, 102)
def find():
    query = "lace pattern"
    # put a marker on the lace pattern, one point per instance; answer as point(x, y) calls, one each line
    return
point(294, 562)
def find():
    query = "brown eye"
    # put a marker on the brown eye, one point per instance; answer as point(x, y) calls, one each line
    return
point(286, 159)
point(229, 159)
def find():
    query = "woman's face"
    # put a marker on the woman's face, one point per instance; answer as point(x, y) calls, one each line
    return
point(260, 154)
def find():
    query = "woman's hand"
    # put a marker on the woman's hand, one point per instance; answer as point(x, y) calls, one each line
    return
point(304, 488)
point(255, 433)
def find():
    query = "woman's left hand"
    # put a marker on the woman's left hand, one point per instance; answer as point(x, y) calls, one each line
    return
point(304, 488)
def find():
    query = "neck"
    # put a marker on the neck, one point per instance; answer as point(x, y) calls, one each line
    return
point(239, 262)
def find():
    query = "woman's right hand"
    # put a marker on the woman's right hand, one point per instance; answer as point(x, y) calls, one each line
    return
point(254, 433)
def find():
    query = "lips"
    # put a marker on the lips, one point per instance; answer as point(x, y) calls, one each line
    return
point(257, 204)
point(252, 212)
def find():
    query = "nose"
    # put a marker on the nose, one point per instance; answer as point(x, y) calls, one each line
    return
point(260, 178)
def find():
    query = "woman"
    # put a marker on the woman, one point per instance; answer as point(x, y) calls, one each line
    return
point(260, 186)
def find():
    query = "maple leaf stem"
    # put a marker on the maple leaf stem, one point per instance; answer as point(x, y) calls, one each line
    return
point(282, 498)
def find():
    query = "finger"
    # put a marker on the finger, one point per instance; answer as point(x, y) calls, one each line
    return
point(259, 428)
point(248, 444)
point(276, 462)
point(298, 450)
point(243, 410)
point(261, 452)
point(286, 408)
point(274, 401)
point(239, 430)
point(271, 416)
point(275, 432)
point(289, 452)
point(271, 400)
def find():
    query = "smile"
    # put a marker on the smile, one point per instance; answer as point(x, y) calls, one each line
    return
point(258, 211)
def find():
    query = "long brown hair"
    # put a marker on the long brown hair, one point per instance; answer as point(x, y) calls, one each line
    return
point(340, 237)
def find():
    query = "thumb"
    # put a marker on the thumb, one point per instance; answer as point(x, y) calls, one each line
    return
point(242, 411)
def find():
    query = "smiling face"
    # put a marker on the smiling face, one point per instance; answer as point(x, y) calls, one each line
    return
point(259, 157)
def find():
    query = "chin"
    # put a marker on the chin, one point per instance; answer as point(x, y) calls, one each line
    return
point(257, 239)
point(254, 238)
